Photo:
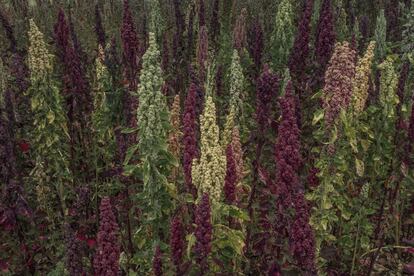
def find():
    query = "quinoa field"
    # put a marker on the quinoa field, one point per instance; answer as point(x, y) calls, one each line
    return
point(206, 137)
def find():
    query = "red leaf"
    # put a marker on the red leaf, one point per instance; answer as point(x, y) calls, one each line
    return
point(410, 250)
point(80, 237)
point(409, 268)
point(91, 243)
point(4, 266)
point(23, 247)
point(24, 146)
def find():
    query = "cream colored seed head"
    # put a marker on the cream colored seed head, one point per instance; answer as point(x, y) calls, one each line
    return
point(388, 85)
point(40, 60)
point(363, 70)
point(209, 171)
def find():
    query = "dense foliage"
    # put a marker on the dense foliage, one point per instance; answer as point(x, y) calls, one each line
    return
point(193, 137)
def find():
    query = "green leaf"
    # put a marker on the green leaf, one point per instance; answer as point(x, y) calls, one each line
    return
point(317, 95)
point(172, 189)
point(326, 204)
point(169, 157)
point(324, 224)
point(34, 103)
point(190, 243)
point(129, 170)
point(50, 116)
point(310, 196)
point(365, 242)
point(330, 237)
point(236, 212)
point(236, 240)
point(346, 215)
point(130, 152)
point(359, 165)
point(365, 144)
point(334, 135)
point(353, 144)
point(188, 198)
point(404, 169)
point(129, 130)
point(318, 116)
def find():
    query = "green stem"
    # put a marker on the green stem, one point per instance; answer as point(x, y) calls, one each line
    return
point(355, 247)
point(397, 227)
point(385, 247)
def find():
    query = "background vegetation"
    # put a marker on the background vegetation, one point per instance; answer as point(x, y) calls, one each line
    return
point(193, 137)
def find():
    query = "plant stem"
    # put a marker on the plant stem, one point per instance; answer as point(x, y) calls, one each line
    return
point(377, 233)
point(355, 247)
point(385, 247)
